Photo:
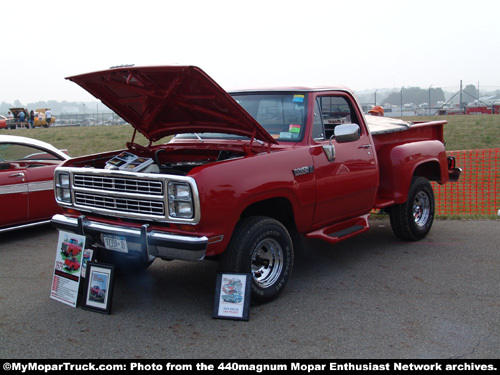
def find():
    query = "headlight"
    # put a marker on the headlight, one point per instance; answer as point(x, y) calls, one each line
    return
point(63, 179)
point(63, 187)
point(180, 200)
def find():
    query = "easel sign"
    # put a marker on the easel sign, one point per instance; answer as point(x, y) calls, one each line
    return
point(232, 296)
point(67, 268)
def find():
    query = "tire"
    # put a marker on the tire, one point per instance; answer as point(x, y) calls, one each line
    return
point(413, 219)
point(262, 247)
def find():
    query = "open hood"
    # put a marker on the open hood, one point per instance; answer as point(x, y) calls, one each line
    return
point(166, 100)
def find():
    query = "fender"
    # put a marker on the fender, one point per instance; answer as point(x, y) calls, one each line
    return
point(229, 188)
point(423, 158)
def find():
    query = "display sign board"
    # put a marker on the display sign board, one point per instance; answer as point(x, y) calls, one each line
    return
point(232, 296)
point(67, 268)
point(99, 287)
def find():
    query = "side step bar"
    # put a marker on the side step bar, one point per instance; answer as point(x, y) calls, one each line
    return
point(342, 231)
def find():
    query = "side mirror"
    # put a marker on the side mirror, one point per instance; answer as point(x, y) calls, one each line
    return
point(347, 133)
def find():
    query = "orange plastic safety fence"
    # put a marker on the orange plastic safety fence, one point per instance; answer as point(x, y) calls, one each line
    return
point(477, 191)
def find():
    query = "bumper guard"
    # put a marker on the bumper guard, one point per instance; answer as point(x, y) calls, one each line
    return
point(152, 243)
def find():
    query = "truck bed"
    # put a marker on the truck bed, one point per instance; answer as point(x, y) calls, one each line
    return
point(390, 131)
point(384, 125)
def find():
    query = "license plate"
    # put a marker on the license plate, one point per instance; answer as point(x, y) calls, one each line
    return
point(115, 243)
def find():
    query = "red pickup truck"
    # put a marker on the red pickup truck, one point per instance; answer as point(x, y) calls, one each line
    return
point(245, 175)
point(71, 247)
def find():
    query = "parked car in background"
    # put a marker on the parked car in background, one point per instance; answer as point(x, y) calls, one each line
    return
point(12, 123)
point(3, 122)
point(40, 119)
point(26, 181)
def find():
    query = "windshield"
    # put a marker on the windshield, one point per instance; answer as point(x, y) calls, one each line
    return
point(283, 115)
point(19, 152)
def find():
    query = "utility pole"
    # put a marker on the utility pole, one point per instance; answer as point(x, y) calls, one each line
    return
point(460, 105)
point(402, 101)
point(430, 100)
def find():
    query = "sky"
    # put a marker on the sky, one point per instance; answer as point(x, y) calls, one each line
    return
point(361, 44)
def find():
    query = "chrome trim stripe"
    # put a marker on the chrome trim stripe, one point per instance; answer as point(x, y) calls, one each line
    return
point(14, 189)
point(23, 226)
point(27, 187)
point(41, 186)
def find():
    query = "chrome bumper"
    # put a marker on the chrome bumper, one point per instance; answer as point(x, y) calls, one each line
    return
point(150, 243)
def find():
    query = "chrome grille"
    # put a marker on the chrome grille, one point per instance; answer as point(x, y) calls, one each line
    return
point(130, 205)
point(127, 185)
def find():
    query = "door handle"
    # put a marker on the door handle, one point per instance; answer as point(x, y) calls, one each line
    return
point(20, 174)
point(365, 146)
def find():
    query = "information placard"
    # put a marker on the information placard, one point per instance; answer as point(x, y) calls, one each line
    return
point(67, 272)
point(232, 296)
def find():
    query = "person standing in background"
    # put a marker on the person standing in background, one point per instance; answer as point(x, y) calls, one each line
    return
point(21, 118)
point(376, 111)
point(31, 120)
point(48, 116)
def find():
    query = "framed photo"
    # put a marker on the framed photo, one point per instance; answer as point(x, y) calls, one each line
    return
point(99, 287)
point(232, 296)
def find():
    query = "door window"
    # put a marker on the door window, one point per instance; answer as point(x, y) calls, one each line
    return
point(330, 111)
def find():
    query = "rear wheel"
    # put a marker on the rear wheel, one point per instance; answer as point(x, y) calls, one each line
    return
point(262, 247)
point(413, 219)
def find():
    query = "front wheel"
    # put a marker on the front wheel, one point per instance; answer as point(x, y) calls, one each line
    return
point(413, 219)
point(262, 247)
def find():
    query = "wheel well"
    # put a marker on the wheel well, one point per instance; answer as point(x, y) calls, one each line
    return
point(429, 170)
point(276, 208)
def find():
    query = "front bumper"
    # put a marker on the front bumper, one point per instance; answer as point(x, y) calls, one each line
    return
point(149, 243)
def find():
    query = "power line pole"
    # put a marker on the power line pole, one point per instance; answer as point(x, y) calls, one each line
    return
point(460, 105)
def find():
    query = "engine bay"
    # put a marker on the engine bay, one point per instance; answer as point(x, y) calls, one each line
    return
point(164, 160)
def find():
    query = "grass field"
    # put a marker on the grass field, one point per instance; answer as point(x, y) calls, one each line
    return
point(468, 132)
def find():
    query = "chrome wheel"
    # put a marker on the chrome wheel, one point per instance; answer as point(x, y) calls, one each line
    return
point(412, 220)
point(421, 209)
point(267, 262)
point(262, 247)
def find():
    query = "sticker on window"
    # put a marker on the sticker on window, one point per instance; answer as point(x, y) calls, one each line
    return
point(298, 98)
point(294, 128)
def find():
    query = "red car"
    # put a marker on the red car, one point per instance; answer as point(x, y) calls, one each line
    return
point(96, 292)
point(71, 247)
point(26, 181)
point(72, 264)
point(3, 122)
